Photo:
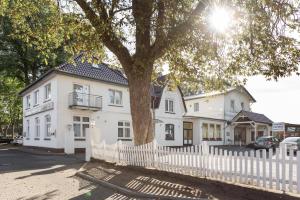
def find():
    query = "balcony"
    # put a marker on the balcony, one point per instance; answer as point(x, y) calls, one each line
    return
point(84, 101)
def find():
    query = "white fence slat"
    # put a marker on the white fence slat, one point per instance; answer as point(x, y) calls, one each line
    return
point(235, 166)
point(283, 167)
point(246, 167)
point(290, 163)
point(240, 167)
point(264, 157)
point(230, 166)
point(257, 160)
point(270, 168)
point(251, 167)
point(277, 178)
point(298, 171)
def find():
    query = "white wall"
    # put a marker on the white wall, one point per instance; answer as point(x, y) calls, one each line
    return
point(175, 118)
point(31, 139)
point(210, 107)
point(106, 120)
point(238, 96)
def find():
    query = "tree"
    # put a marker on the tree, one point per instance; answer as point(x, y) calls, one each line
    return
point(143, 33)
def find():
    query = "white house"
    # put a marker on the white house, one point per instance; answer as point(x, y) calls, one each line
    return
point(62, 103)
point(225, 117)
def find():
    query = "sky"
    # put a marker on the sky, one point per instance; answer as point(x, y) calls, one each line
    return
point(280, 101)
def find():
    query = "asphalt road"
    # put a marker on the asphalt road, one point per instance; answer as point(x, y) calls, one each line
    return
point(28, 176)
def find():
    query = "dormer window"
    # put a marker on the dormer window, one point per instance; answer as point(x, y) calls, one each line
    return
point(169, 106)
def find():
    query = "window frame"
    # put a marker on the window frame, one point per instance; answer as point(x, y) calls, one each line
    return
point(124, 127)
point(37, 127)
point(81, 123)
point(48, 124)
point(169, 102)
point(36, 95)
point(27, 128)
point(28, 101)
point(169, 130)
point(114, 103)
point(47, 88)
point(242, 106)
point(232, 105)
point(196, 107)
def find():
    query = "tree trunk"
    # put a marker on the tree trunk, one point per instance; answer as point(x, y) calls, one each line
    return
point(140, 103)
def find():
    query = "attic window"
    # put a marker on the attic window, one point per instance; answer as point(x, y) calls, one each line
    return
point(95, 65)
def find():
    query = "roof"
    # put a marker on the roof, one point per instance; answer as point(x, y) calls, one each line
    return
point(214, 93)
point(252, 116)
point(157, 89)
point(99, 72)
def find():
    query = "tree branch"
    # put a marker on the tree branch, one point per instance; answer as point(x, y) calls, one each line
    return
point(163, 41)
point(104, 28)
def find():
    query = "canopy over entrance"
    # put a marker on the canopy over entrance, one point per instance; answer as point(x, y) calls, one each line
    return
point(249, 125)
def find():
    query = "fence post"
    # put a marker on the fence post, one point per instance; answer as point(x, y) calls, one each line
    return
point(119, 146)
point(264, 167)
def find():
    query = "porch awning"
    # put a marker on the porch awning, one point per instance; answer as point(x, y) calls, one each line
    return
point(250, 117)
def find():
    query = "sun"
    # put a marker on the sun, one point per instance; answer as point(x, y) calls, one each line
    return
point(220, 19)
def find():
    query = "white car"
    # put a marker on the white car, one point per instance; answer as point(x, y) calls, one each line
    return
point(292, 144)
point(18, 140)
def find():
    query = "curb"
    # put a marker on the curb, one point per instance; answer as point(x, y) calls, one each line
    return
point(129, 192)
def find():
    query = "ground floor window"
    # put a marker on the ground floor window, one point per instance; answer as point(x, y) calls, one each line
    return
point(211, 131)
point(27, 133)
point(252, 136)
point(48, 125)
point(123, 130)
point(80, 124)
point(169, 131)
point(37, 127)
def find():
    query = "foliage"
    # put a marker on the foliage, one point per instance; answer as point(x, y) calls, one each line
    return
point(10, 103)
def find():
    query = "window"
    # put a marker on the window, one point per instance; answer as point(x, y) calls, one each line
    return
point(80, 124)
point(37, 127)
point(169, 105)
point(242, 106)
point(27, 134)
point(36, 98)
point(211, 131)
point(28, 101)
point(232, 105)
point(196, 107)
point(205, 131)
point(115, 97)
point(48, 91)
point(48, 125)
point(123, 129)
point(218, 131)
point(252, 136)
point(170, 132)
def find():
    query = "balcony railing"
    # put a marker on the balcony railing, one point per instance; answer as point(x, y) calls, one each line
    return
point(85, 101)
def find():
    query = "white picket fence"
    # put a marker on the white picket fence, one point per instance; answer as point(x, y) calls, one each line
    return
point(270, 170)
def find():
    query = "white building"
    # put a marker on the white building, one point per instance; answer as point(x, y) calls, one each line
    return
point(225, 118)
point(62, 103)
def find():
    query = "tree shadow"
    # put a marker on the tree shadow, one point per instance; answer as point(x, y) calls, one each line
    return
point(45, 196)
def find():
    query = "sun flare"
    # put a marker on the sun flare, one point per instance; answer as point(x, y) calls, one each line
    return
point(220, 19)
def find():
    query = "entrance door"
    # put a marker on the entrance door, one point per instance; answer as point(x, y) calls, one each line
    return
point(187, 133)
point(240, 136)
